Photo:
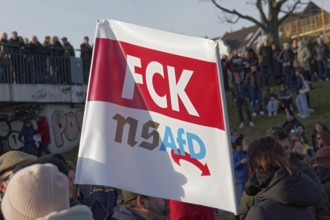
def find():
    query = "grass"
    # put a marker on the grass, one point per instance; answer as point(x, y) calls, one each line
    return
point(320, 101)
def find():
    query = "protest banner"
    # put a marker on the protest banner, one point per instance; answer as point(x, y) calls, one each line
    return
point(155, 119)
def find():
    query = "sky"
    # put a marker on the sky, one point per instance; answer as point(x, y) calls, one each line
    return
point(76, 18)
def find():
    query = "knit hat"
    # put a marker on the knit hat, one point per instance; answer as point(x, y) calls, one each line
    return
point(323, 152)
point(128, 196)
point(56, 159)
point(35, 192)
point(11, 159)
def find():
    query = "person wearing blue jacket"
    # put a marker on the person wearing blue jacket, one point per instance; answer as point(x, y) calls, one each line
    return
point(241, 167)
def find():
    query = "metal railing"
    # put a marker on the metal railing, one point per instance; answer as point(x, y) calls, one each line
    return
point(42, 69)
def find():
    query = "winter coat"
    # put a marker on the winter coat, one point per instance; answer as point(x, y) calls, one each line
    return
point(277, 66)
point(241, 170)
point(321, 207)
point(80, 212)
point(240, 91)
point(289, 125)
point(265, 53)
point(324, 176)
point(322, 51)
point(254, 81)
point(68, 50)
point(26, 136)
point(43, 130)
point(121, 213)
point(86, 51)
point(183, 211)
point(303, 57)
point(286, 56)
point(279, 196)
point(236, 64)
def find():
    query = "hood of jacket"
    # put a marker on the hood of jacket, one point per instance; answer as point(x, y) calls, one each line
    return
point(296, 190)
point(80, 212)
point(323, 173)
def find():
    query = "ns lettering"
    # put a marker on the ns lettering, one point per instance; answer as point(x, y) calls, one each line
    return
point(181, 143)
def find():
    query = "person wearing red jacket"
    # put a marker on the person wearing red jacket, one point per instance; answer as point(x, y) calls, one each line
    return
point(185, 211)
point(43, 131)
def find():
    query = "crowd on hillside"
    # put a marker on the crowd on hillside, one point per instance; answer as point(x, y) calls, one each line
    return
point(29, 61)
point(289, 67)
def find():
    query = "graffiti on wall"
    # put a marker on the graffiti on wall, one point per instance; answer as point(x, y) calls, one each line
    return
point(64, 125)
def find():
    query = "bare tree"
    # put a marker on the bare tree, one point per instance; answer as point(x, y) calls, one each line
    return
point(270, 14)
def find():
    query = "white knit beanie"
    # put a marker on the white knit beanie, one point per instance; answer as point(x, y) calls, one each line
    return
point(34, 192)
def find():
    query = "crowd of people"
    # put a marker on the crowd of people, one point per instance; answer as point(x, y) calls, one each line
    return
point(24, 60)
point(290, 68)
point(282, 175)
point(277, 177)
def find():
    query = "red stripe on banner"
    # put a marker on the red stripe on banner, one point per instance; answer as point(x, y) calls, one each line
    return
point(194, 94)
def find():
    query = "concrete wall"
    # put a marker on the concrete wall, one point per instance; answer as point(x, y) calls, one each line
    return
point(43, 93)
point(65, 122)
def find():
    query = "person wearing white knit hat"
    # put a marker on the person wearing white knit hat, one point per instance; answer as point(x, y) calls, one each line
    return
point(38, 191)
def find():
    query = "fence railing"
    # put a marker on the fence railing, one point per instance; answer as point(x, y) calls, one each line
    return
point(43, 69)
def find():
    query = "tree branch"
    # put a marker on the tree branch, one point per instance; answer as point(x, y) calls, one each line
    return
point(290, 12)
point(261, 11)
point(234, 12)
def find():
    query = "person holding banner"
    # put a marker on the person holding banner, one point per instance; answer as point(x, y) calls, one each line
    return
point(139, 207)
point(280, 190)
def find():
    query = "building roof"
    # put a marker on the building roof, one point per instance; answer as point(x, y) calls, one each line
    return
point(241, 38)
point(310, 10)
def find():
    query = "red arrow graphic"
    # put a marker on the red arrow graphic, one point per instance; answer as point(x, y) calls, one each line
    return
point(203, 167)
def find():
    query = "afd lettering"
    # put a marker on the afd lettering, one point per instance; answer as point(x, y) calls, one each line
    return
point(176, 86)
point(179, 142)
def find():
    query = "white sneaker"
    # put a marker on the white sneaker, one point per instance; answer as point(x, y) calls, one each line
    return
point(269, 114)
point(311, 110)
point(303, 116)
point(241, 125)
point(254, 114)
point(251, 124)
point(275, 113)
point(261, 113)
point(299, 115)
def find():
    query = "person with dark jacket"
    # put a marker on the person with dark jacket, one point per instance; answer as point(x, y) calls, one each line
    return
point(280, 191)
point(240, 95)
point(321, 208)
point(26, 136)
point(277, 66)
point(236, 65)
point(4, 59)
point(291, 122)
point(68, 48)
point(322, 168)
point(86, 51)
point(286, 57)
point(254, 82)
point(322, 53)
point(265, 53)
